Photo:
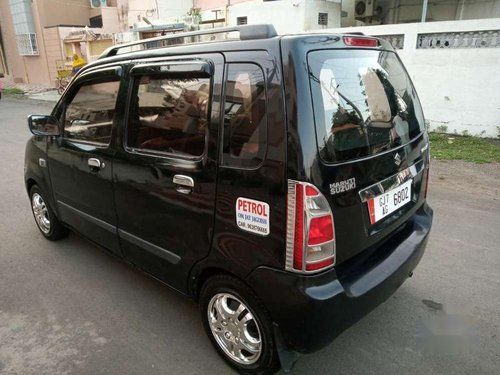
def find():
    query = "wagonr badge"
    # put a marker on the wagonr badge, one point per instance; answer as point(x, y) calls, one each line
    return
point(209, 168)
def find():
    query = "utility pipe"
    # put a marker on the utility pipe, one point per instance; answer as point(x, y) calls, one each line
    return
point(424, 11)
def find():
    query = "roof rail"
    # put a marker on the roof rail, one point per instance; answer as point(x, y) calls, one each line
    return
point(247, 32)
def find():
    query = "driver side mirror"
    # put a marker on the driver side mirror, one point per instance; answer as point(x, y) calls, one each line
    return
point(43, 125)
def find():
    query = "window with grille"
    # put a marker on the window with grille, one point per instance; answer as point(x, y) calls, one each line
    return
point(241, 20)
point(22, 20)
point(323, 19)
point(96, 21)
point(26, 44)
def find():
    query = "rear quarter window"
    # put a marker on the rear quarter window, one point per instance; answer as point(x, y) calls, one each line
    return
point(245, 119)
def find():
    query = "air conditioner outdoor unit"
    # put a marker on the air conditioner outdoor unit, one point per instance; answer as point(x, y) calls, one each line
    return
point(98, 3)
point(364, 8)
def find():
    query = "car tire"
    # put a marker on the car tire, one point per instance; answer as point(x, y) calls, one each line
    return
point(238, 325)
point(44, 216)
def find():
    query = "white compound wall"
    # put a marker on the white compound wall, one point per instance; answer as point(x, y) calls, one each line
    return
point(459, 87)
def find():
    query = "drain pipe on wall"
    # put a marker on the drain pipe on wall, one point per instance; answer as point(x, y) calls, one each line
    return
point(460, 10)
point(226, 9)
point(424, 11)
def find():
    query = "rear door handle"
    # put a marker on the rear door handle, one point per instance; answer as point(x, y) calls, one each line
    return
point(184, 184)
point(95, 164)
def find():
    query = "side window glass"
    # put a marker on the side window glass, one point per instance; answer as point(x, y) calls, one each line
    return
point(169, 115)
point(89, 115)
point(245, 125)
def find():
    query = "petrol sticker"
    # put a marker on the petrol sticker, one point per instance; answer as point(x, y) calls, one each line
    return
point(252, 216)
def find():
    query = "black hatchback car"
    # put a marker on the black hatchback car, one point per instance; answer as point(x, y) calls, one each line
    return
point(280, 181)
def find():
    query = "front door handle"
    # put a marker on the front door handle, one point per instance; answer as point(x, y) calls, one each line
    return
point(184, 184)
point(95, 164)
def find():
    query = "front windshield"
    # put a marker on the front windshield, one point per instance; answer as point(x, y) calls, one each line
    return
point(364, 103)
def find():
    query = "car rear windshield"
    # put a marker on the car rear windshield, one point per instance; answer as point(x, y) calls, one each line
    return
point(364, 103)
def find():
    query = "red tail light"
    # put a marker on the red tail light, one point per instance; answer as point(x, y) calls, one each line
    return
point(319, 265)
point(298, 253)
point(426, 182)
point(355, 41)
point(310, 229)
point(427, 168)
point(320, 230)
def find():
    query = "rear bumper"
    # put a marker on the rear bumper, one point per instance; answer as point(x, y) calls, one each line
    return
point(310, 311)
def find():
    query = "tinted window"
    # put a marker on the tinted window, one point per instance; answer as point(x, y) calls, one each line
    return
point(364, 103)
point(89, 116)
point(244, 115)
point(169, 115)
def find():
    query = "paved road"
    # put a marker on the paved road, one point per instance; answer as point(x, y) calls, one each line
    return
point(69, 307)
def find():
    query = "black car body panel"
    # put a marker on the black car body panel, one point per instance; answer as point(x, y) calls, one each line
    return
point(131, 205)
point(355, 232)
point(35, 167)
point(90, 207)
point(151, 212)
point(320, 307)
point(263, 182)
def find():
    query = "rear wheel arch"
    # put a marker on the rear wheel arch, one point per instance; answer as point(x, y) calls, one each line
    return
point(203, 271)
point(200, 276)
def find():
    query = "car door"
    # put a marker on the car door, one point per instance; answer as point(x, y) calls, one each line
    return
point(165, 168)
point(251, 187)
point(80, 160)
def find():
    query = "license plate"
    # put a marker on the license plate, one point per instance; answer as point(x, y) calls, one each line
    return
point(385, 204)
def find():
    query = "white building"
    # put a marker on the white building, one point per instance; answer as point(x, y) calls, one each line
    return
point(287, 16)
point(453, 57)
point(141, 19)
point(375, 12)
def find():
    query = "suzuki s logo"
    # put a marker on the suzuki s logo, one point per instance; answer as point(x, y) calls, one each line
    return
point(397, 159)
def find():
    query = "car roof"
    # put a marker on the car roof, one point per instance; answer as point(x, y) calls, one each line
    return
point(252, 37)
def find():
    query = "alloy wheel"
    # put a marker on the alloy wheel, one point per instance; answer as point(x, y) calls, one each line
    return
point(234, 328)
point(41, 213)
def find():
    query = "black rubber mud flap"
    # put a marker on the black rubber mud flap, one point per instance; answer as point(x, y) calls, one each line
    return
point(287, 357)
